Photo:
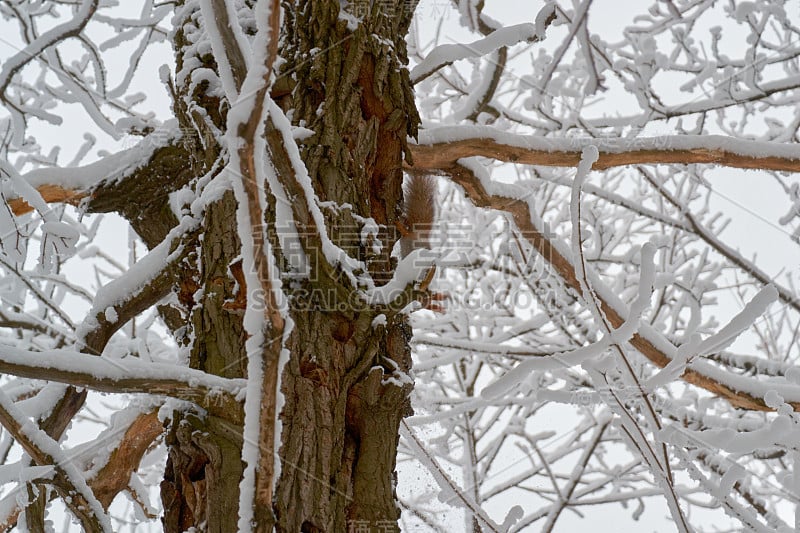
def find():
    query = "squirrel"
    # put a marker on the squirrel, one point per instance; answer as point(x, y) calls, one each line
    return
point(415, 225)
point(419, 211)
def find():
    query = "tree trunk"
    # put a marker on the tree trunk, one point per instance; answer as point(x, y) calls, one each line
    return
point(341, 418)
point(341, 415)
point(204, 467)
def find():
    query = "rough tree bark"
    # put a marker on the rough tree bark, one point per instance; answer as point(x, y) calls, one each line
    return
point(341, 419)
point(345, 82)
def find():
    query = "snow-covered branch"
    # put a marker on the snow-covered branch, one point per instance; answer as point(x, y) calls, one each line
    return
point(446, 54)
point(55, 35)
point(73, 184)
point(45, 451)
point(441, 148)
point(128, 375)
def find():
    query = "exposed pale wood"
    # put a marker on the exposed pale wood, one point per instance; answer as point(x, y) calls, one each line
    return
point(51, 194)
point(114, 477)
point(264, 481)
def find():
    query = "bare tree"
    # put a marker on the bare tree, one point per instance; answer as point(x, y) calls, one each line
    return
point(260, 332)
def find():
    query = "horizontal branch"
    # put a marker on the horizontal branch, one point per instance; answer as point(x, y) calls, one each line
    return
point(213, 393)
point(441, 148)
point(128, 179)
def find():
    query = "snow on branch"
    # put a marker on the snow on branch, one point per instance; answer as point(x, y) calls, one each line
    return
point(130, 375)
point(113, 473)
point(446, 54)
point(442, 147)
point(139, 277)
point(49, 38)
point(69, 481)
point(695, 226)
point(249, 169)
point(230, 47)
point(72, 184)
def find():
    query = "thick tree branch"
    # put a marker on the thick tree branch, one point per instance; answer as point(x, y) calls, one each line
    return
point(441, 148)
point(114, 476)
point(141, 195)
point(136, 194)
point(213, 393)
point(130, 182)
